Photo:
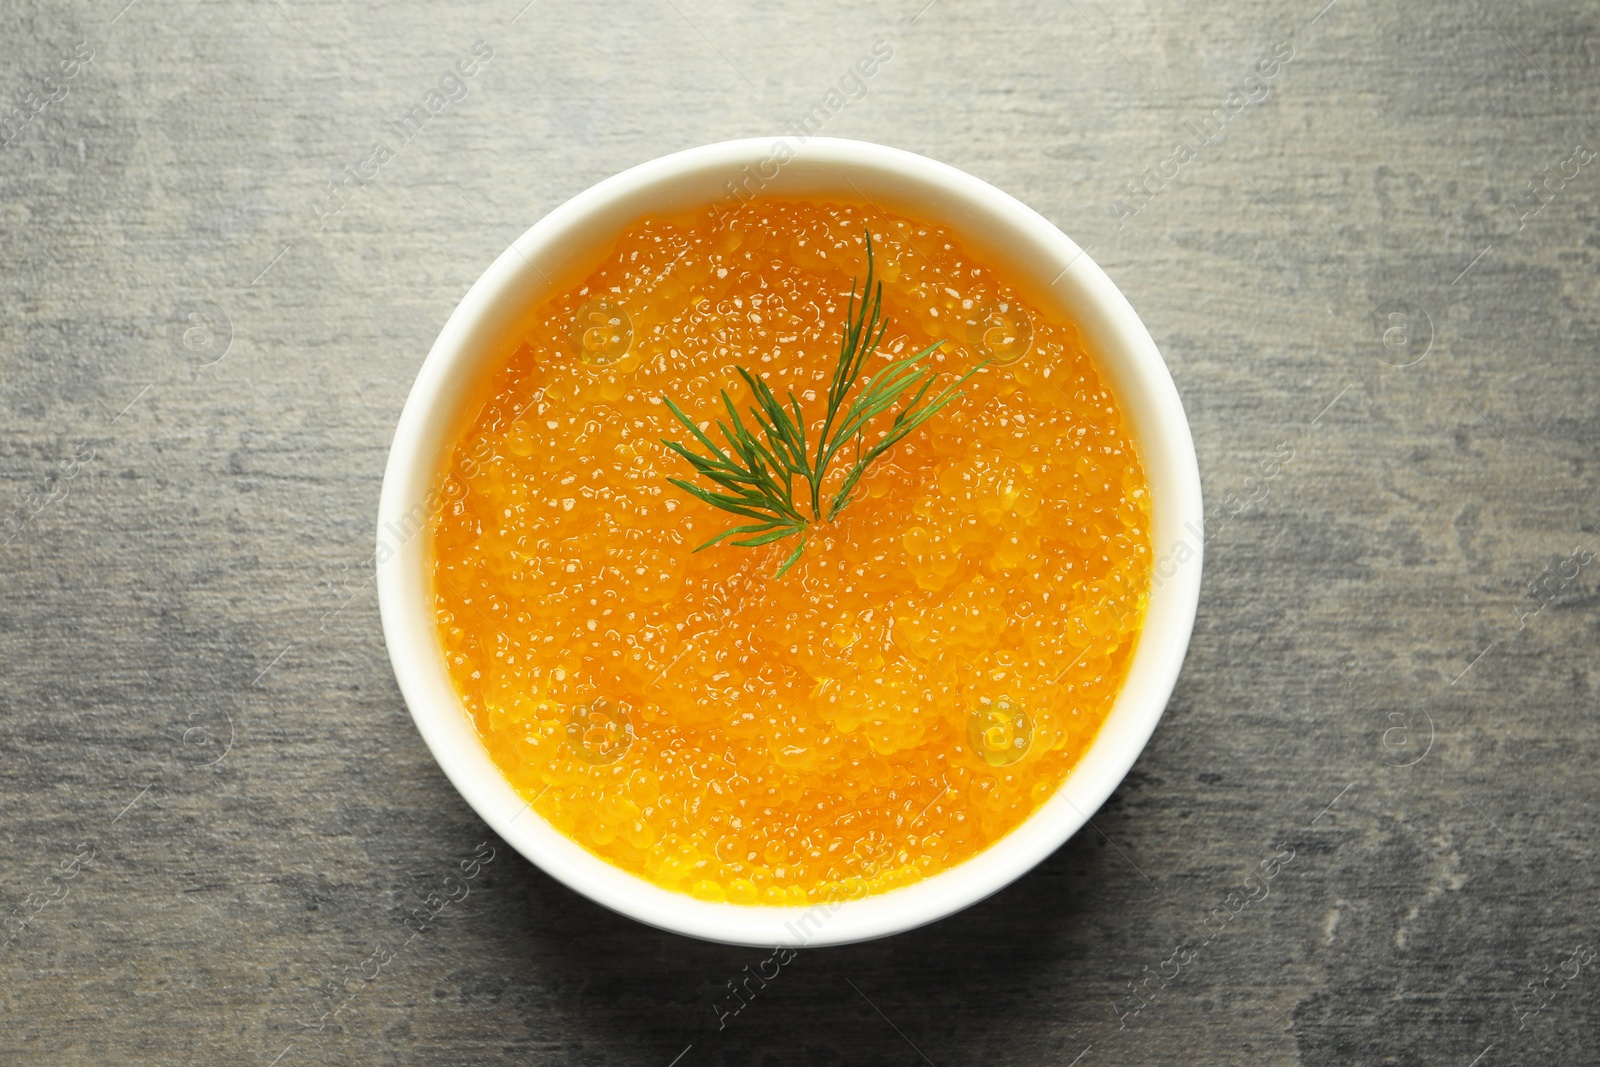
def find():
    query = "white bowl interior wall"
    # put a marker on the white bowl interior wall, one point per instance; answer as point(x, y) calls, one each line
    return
point(560, 250)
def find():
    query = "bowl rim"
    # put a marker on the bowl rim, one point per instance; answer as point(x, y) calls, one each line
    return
point(1124, 352)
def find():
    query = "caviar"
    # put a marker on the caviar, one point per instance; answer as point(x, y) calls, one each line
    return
point(924, 677)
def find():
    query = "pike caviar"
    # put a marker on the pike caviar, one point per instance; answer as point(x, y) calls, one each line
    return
point(923, 678)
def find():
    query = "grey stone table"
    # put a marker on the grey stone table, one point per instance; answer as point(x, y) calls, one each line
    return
point(1373, 271)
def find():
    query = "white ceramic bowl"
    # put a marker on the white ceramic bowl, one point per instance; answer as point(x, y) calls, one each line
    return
point(568, 243)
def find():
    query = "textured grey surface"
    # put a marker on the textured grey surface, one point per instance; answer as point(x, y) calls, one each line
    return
point(197, 701)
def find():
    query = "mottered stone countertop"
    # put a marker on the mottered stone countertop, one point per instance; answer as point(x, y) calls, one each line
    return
point(1381, 262)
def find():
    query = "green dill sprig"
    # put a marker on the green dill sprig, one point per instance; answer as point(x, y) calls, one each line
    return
point(756, 476)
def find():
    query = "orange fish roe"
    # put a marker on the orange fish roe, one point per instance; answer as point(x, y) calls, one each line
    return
point(925, 676)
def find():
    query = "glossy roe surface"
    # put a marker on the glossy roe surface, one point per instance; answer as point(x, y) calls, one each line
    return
point(922, 679)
